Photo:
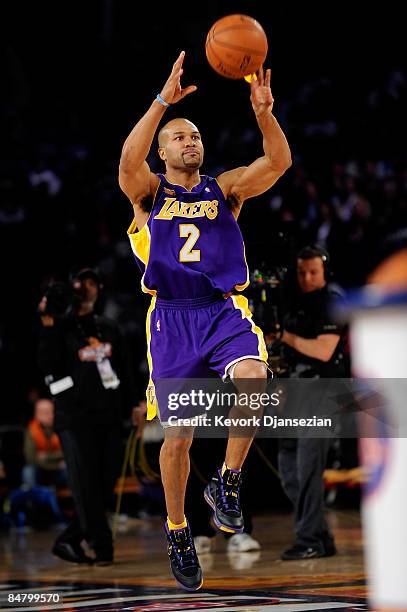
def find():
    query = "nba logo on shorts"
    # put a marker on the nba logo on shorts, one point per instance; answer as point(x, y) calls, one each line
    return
point(158, 325)
point(150, 393)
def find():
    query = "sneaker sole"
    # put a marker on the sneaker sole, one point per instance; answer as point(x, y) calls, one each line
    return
point(190, 589)
point(217, 523)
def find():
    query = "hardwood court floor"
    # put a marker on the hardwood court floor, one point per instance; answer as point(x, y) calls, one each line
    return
point(140, 578)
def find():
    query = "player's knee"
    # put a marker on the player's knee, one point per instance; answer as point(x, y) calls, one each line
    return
point(177, 444)
point(250, 368)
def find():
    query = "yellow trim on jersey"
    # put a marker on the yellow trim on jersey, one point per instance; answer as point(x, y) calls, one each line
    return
point(140, 245)
point(150, 392)
point(240, 302)
point(247, 282)
point(140, 242)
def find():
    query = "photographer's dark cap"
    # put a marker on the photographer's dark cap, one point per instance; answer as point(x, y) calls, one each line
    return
point(86, 272)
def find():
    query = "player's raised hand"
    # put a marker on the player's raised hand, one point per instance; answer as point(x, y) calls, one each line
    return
point(260, 93)
point(172, 91)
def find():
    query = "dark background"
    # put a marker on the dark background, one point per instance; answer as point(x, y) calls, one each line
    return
point(76, 76)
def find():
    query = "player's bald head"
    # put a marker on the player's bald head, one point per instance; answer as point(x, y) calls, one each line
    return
point(173, 126)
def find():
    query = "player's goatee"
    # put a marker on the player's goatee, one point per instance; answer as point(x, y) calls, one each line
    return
point(192, 161)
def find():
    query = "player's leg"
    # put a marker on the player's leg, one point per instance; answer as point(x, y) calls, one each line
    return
point(236, 349)
point(175, 466)
point(170, 363)
point(223, 492)
point(245, 373)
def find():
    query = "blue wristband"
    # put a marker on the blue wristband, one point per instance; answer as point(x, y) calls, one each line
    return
point(161, 101)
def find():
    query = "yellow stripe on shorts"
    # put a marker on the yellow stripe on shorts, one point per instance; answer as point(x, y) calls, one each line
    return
point(240, 302)
point(150, 393)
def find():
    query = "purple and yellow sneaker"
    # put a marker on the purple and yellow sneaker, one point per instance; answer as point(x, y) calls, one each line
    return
point(183, 558)
point(222, 494)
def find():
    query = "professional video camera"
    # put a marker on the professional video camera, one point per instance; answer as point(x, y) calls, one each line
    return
point(266, 302)
point(59, 298)
point(265, 297)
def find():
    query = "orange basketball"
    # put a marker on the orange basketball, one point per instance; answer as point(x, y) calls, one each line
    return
point(236, 46)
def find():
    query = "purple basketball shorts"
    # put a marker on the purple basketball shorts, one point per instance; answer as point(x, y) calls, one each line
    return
point(193, 338)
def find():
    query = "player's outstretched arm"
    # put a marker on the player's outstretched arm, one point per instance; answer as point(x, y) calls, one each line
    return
point(135, 178)
point(243, 183)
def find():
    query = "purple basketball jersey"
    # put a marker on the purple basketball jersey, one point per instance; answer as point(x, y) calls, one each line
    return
point(191, 245)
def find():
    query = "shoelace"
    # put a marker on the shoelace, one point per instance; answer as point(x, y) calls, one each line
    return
point(184, 548)
point(228, 499)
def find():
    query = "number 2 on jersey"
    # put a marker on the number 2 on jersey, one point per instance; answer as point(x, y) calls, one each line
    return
point(192, 233)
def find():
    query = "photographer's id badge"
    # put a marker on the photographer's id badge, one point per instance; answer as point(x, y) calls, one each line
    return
point(107, 375)
point(99, 352)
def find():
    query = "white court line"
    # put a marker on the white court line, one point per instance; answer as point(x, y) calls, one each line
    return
point(94, 591)
point(289, 607)
point(35, 589)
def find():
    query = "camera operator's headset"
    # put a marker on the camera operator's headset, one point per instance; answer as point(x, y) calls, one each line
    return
point(316, 250)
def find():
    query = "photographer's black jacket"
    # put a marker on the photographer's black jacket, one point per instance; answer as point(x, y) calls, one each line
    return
point(310, 318)
point(60, 356)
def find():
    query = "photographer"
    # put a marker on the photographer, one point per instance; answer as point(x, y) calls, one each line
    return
point(313, 346)
point(84, 360)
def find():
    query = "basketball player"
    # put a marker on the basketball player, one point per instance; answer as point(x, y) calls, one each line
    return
point(186, 239)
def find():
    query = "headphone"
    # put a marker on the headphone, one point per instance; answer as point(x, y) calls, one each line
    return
point(316, 250)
